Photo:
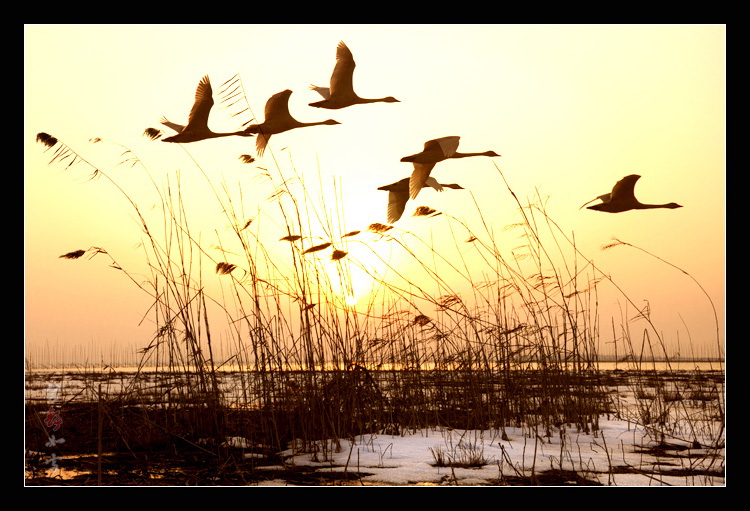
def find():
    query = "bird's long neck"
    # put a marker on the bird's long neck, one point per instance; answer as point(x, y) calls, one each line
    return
point(466, 155)
point(187, 136)
point(233, 133)
point(371, 100)
point(266, 129)
point(670, 205)
point(328, 122)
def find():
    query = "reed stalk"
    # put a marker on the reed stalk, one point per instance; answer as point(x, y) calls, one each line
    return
point(474, 338)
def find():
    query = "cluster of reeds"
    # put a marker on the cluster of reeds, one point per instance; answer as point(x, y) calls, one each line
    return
point(479, 339)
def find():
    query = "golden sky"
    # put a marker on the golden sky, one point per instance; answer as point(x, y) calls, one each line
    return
point(571, 109)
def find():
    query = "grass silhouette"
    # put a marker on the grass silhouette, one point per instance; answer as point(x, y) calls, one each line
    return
point(478, 338)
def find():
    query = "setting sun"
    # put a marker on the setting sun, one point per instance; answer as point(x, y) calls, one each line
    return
point(259, 243)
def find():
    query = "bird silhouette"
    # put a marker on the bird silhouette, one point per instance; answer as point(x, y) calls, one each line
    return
point(278, 120)
point(622, 198)
point(197, 127)
point(398, 194)
point(435, 151)
point(341, 92)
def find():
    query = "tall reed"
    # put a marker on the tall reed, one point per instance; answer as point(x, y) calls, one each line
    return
point(471, 336)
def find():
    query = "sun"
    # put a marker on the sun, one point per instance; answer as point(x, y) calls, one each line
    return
point(354, 286)
point(353, 279)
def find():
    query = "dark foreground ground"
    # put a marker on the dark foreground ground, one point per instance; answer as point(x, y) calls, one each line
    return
point(127, 444)
point(166, 459)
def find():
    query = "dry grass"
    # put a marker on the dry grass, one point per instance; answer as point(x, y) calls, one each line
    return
point(490, 343)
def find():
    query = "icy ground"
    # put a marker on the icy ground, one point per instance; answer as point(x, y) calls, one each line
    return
point(618, 454)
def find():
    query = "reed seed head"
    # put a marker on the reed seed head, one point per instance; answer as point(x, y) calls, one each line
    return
point(338, 254)
point(379, 228)
point(225, 268)
point(152, 133)
point(425, 211)
point(73, 255)
point(317, 248)
point(422, 320)
point(46, 139)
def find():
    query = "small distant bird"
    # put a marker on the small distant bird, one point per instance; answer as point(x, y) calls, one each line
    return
point(197, 126)
point(278, 120)
point(341, 93)
point(434, 151)
point(398, 194)
point(622, 198)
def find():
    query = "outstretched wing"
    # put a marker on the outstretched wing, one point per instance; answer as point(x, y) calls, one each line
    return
point(277, 106)
point(261, 141)
point(446, 145)
point(202, 107)
point(419, 177)
point(323, 91)
point(396, 204)
point(604, 198)
point(431, 181)
point(341, 78)
point(179, 128)
point(624, 188)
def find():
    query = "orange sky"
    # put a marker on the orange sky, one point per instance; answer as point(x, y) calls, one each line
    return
point(572, 109)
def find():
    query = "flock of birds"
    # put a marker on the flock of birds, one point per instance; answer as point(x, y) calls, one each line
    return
point(341, 94)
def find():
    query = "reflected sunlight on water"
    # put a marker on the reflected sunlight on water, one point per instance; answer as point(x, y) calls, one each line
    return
point(237, 383)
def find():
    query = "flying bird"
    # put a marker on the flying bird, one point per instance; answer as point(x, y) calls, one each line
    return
point(622, 198)
point(278, 120)
point(197, 127)
point(341, 92)
point(434, 151)
point(398, 194)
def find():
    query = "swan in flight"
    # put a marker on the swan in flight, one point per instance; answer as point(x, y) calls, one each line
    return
point(341, 92)
point(434, 151)
point(197, 127)
point(622, 198)
point(398, 194)
point(278, 120)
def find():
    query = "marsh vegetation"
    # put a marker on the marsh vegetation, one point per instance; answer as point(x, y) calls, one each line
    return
point(478, 338)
